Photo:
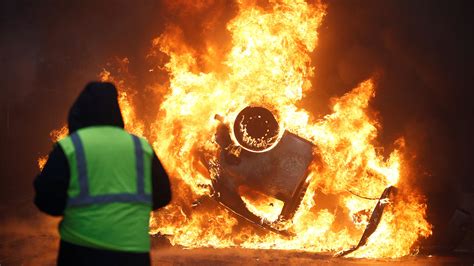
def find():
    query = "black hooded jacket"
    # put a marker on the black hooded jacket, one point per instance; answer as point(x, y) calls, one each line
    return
point(96, 105)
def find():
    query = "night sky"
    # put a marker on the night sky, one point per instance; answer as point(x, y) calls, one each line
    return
point(421, 53)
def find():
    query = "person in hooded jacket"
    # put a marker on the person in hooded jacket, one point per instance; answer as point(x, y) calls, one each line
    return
point(104, 182)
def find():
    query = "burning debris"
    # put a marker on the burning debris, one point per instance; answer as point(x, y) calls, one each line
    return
point(374, 220)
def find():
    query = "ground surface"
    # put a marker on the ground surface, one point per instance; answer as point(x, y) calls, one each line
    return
point(31, 238)
point(176, 256)
point(40, 249)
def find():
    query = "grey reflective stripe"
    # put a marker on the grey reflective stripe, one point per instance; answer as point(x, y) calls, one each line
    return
point(139, 165)
point(81, 165)
point(84, 198)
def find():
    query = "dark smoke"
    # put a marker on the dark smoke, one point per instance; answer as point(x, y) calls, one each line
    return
point(420, 52)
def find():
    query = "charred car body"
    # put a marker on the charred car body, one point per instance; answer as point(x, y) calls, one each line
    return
point(258, 155)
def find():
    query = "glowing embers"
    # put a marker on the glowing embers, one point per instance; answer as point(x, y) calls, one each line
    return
point(272, 174)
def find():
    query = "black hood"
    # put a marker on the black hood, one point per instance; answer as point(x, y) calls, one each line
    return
point(96, 105)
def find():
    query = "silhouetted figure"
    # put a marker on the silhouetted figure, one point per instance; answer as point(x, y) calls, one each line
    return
point(104, 182)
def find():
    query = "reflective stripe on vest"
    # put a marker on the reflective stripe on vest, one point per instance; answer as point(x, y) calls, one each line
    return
point(84, 198)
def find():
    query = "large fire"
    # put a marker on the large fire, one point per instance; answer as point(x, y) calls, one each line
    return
point(269, 64)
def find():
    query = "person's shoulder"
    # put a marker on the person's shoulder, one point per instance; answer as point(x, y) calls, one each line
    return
point(65, 145)
point(146, 146)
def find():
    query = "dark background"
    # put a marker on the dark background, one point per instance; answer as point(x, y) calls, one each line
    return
point(419, 51)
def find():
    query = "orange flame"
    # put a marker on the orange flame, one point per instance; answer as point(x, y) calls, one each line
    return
point(55, 136)
point(269, 65)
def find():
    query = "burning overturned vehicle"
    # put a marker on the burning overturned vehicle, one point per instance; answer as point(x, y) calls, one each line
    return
point(254, 167)
point(260, 158)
